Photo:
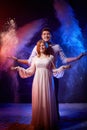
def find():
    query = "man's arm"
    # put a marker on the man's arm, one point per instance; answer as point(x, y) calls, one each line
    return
point(33, 54)
point(72, 59)
point(61, 54)
point(26, 61)
point(23, 61)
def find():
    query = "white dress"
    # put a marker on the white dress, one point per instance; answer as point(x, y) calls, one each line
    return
point(44, 112)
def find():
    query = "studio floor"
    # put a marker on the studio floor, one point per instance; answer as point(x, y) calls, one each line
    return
point(73, 116)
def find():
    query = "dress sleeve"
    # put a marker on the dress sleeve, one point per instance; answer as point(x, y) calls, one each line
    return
point(33, 54)
point(58, 72)
point(25, 73)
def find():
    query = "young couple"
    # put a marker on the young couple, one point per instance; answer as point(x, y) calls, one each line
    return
point(45, 113)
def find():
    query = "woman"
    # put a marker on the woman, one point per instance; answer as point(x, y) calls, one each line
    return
point(44, 111)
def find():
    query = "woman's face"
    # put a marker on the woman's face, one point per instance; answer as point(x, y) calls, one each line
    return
point(46, 36)
point(42, 47)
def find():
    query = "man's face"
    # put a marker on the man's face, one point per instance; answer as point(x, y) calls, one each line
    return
point(46, 36)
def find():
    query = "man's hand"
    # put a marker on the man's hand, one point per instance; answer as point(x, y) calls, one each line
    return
point(82, 54)
point(13, 58)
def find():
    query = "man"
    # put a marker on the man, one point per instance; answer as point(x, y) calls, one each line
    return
point(55, 50)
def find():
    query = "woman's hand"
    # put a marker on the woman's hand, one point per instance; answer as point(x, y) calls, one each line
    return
point(14, 68)
point(66, 67)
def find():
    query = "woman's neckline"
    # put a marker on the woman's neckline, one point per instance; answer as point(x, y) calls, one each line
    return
point(44, 57)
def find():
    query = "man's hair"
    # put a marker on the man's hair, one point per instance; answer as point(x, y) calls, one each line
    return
point(46, 29)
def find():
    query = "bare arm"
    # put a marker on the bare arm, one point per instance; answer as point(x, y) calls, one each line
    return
point(23, 61)
point(29, 61)
point(26, 61)
point(72, 59)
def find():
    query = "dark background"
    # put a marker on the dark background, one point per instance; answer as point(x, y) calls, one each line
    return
point(25, 12)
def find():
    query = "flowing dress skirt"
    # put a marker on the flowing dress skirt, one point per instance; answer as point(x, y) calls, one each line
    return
point(44, 112)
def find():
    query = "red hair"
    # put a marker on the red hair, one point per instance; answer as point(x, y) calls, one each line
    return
point(38, 46)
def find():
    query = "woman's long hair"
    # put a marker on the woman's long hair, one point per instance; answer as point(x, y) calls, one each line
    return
point(48, 51)
point(38, 47)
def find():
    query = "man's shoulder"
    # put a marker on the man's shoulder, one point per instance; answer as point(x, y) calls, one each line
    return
point(55, 46)
point(34, 48)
